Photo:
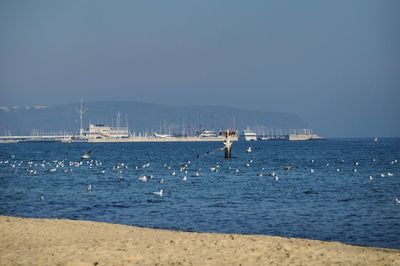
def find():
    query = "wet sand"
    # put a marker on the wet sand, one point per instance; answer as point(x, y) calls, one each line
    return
point(65, 242)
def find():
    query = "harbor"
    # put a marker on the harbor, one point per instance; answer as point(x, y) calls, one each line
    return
point(103, 133)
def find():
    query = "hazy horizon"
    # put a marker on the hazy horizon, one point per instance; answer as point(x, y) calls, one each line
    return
point(335, 64)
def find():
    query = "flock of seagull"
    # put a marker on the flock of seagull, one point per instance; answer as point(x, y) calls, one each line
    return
point(183, 172)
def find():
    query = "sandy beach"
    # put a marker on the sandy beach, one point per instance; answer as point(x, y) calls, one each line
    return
point(66, 242)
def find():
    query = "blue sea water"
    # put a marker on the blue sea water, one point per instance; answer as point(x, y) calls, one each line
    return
point(327, 204)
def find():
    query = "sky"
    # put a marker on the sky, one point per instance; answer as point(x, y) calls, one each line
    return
point(334, 63)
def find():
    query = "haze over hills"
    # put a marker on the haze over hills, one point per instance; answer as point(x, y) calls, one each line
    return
point(142, 117)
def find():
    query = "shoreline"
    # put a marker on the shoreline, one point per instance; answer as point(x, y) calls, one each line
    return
point(37, 241)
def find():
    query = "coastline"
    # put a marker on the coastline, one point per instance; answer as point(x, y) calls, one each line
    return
point(70, 242)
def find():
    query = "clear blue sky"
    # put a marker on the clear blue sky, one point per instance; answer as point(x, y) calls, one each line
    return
point(335, 63)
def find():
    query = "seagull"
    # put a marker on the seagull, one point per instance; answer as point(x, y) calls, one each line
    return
point(390, 174)
point(237, 171)
point(356, 163)
point(42, 198)
point(103, 171)
point(397, 200)
point(162, 181)
point(338, 170)
point(89, 188)
point(143, 178)
point(276, 178)
point(248, 150)
point(371, 177)
point(383, 175)
point(259, 174)
point(184, 178)
point(173, 173)
point(354, 170)
point(312, 170)
point(288, 167)
point(86, 155)
point(248, 165)
point(159, 193)
point(197, 173)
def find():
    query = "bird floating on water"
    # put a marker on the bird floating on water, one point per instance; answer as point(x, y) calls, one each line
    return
point(248, 150)
point(143, 178)
point(397, 200)
point(390, 174)
point(89, 188)
point(371, 177)
point(159, 193)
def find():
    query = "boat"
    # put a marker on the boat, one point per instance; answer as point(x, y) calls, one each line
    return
point(207, 134)
point(249, 135)
point(162, 135)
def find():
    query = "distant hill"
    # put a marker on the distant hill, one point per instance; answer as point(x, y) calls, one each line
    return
point(141, 117)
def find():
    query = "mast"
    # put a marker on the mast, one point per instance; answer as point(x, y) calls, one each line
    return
point(81, 112)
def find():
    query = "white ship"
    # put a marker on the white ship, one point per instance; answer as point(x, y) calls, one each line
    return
point(249, 135)
point(100, 131)
point(157, 135)
point(207, 134)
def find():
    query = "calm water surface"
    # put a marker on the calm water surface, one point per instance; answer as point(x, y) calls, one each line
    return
point(243, 196)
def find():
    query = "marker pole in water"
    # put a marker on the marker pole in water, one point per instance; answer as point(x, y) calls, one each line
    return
point(228, 144)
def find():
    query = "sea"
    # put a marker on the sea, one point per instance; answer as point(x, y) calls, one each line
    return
point(333, 190)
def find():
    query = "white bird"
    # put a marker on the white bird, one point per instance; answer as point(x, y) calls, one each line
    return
point(356, 163)
point(184, 178)
point(311, 170)
point(173, 173)
point(371, 177)
point(103, 171)
point(197, 173)
point(86, 155)
point(354, 170)
point(327, 164)
point(159, 193)
point(213, 169)
point(247, 165)
point(259, 174)
point(338, 170)
point(276, 178)
point(89, 188)
point(143, 178)
point(237, 171)
point(390, 174)
point(248, 150)
point(397, 201)
point(162, 181)
point(383, 175)
point(42, 198)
